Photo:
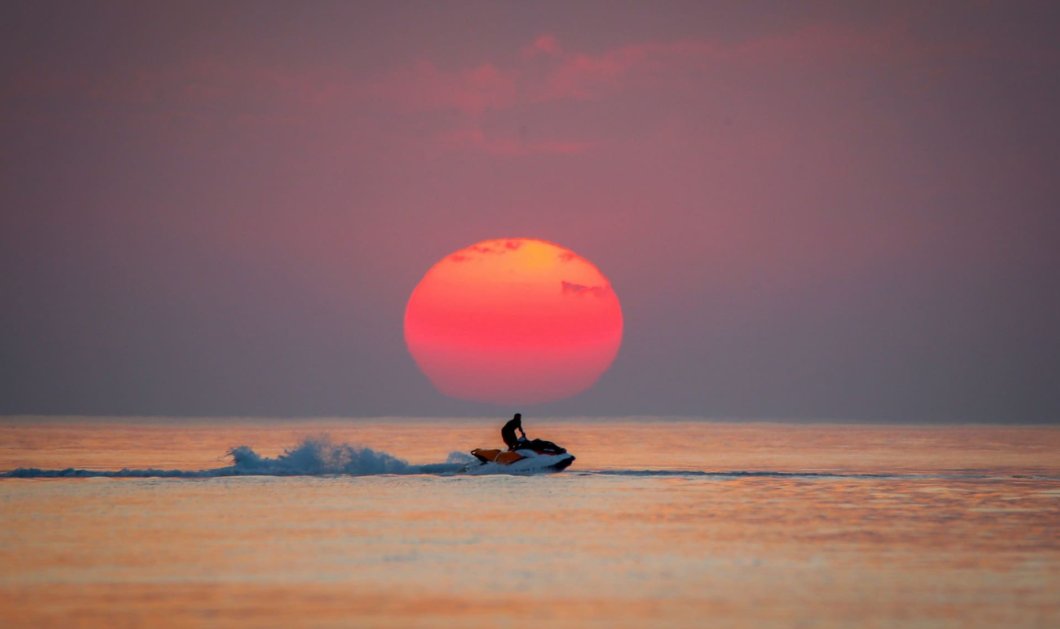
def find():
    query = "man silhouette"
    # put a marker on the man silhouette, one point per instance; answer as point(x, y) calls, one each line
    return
point(508, 432)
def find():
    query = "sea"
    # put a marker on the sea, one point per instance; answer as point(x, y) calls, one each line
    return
point(660, 522)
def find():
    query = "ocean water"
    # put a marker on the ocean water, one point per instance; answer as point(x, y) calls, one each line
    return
point(659, 523)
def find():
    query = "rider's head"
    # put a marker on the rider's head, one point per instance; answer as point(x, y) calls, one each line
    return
point(518, 416)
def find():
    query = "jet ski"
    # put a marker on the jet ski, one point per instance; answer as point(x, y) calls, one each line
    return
point(529, 457)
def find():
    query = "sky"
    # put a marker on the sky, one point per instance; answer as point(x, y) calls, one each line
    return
point(808, 210)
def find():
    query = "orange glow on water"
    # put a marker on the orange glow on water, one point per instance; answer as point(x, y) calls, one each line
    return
point(514, 320)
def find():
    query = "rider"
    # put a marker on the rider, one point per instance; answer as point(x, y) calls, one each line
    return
point(508, 432)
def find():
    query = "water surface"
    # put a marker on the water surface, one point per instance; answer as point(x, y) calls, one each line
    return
point(658, 523)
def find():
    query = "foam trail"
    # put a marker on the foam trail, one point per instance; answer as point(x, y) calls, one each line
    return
point(316, 456)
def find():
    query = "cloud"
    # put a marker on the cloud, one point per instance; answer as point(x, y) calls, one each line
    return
point(571, 288)
point(545, 45)
point(479, 107)
point(471, 91)
point(546, 73)
point(653, 64)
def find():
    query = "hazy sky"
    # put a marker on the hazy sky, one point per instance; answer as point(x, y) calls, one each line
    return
point(814, 211)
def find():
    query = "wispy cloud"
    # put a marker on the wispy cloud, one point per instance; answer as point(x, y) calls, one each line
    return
point(548, 72)
point(545, 73)
point(544, 46)
point(470, 91)
point(581, 290)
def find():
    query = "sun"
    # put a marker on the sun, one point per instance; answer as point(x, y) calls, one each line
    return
point(515, 320)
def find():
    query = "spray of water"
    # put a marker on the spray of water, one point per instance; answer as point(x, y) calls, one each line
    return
point(314, 456)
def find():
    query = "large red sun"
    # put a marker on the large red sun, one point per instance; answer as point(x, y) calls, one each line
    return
point(516, 320)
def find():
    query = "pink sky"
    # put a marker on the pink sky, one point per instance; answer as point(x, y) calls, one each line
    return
point(825, 210)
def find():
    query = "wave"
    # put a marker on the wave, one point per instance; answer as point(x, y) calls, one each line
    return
point(315, 456)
